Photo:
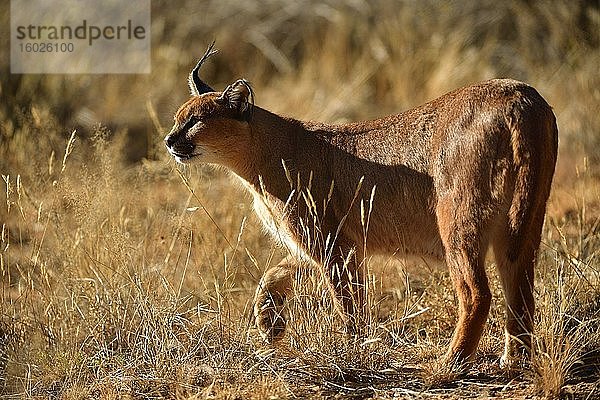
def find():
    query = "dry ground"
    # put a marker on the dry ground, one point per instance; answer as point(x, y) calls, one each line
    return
point(115, 283)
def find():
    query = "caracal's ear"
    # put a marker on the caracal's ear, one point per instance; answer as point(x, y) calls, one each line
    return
point(198, 86)
point(239, 97)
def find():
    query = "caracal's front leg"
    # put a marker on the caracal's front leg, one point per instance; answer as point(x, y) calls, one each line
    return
point(347, 279)
point(274, 287)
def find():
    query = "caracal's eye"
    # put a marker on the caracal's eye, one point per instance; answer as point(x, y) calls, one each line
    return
point(191, 122)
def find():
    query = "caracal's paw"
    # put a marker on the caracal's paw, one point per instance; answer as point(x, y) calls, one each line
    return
point(445, 369)
point(270, 318)
point(455, 364)
point(517, 353)
point(516, 361)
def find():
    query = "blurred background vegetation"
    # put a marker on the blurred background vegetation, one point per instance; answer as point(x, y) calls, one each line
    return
point(331, 60)
point(110, 285)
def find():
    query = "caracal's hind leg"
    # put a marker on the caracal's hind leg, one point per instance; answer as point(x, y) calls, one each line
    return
point(461, 230)
point(274, 287)
point(516, 273)
point(347, 279)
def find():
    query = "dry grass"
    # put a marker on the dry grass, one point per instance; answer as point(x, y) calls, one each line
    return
point(114, 282)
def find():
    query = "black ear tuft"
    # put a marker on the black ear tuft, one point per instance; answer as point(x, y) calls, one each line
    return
point(239, 97)
point(197, 85)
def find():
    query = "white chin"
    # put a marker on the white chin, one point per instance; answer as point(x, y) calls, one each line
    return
point(184, 160)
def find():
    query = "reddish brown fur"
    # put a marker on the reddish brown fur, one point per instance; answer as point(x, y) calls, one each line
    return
point(470, 169)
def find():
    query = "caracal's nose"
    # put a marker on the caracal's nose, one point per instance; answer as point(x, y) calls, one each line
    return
point(170, 140)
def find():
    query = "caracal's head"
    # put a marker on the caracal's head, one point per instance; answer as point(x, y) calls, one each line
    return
point(211, 127)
